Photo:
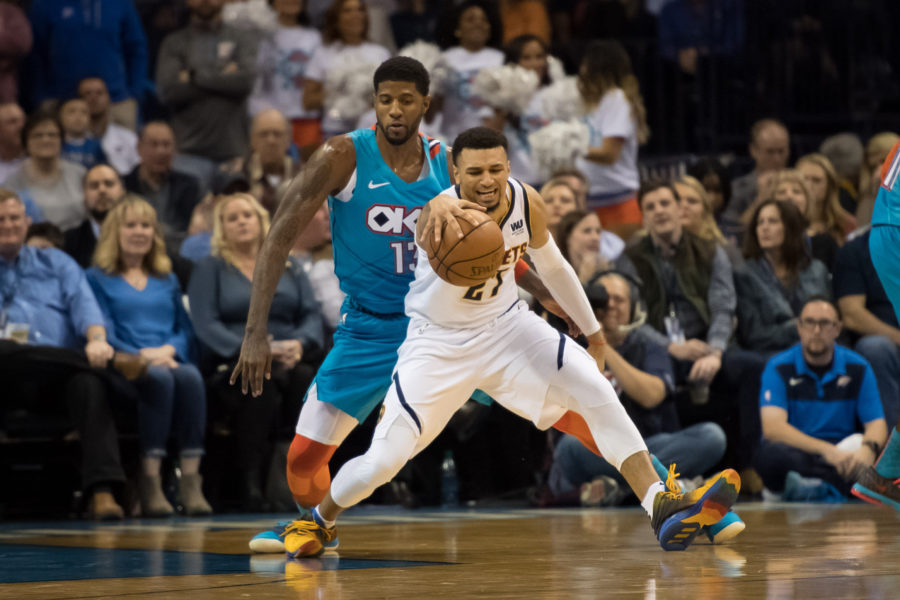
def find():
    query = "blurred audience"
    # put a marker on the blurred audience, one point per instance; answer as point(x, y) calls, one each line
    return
point(825, 213)
point(54, 338)
point(579, 241)
point(102, 39)
point(204, 74)
point(617, 121)
point(281, 71)
point(219, 295)
point(119, 143)
point(314, 252)
point(141, 302)
point(44, 235)
point(79, 145)
point(172, 194)
point(15, 44)
point(53, 184)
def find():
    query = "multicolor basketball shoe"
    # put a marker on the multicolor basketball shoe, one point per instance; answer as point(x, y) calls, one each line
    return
point(678, 518)
point(305, 537)
point(874, 488)
point(728, 527)
point(272, 541)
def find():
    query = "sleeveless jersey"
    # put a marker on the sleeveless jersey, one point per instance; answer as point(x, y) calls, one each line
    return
point(373, 224)
point(887, 203)
point(432, 298)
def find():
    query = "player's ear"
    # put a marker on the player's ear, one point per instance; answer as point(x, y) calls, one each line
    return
point(426, 103)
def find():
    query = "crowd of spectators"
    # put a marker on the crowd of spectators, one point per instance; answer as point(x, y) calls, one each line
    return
point(144, 146)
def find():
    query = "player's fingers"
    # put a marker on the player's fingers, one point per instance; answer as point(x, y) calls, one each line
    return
point(464, 205)
point(453, 230)
point(235, 372)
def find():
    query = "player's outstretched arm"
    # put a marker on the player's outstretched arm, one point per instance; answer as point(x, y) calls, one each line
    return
point(559, 277)
point(327, 171)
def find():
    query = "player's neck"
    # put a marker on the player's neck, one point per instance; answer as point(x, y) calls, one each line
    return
point(498, 211)
point(405, 159)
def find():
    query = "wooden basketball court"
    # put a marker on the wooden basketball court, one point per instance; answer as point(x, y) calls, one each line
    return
point(787, 551)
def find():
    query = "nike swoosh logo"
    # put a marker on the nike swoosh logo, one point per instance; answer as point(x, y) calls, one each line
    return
point(795, 381)
point(373, 185)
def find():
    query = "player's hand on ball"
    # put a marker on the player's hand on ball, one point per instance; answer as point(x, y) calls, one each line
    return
point(442, 212)
point(254, 363)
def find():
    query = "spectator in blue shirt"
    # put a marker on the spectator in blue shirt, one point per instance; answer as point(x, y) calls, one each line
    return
point(74, 39)
point(141, 300)
point(869, 316)
point(79, 145)
point(812, 399)
point(46, 302)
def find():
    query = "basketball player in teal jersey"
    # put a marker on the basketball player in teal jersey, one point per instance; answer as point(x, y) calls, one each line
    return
point(376, 182)
point(880, 484)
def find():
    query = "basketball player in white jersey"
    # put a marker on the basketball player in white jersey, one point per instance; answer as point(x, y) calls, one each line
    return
point(484, 337)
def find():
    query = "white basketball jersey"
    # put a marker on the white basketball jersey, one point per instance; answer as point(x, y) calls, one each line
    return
point(435, 300)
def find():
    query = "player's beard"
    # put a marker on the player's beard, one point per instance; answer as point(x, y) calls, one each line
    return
point(396, 141)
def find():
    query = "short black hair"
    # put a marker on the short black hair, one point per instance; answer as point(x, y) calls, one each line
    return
point(478, 138)
point(403, 68)
point(48, 231)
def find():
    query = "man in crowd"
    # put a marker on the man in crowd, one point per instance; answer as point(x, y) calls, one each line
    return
point(102, 191)
point(770, 148)
point(119, 143)
point(204, 74)
point(47, 301)
point(811, 398)
point(688, 286)
point(172, 193)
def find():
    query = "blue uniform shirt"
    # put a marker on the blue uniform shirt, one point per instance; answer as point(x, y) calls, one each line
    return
point(48, 290)
point(373, 224)
point(824, 407)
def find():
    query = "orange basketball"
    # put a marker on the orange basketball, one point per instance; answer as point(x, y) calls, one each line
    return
point(471, 259)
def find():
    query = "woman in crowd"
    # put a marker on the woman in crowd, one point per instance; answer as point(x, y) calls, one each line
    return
point(219, 295)
point(560, 199)
point(471, 45)
point(617, 121)
point(697, 215)
point(579, 241)
point(777, 278)
point(825, 213)
point(714, 177)
point(140, 297)
point(789, 185)
point(281, 70)
point(53, 184)
point(345, 36)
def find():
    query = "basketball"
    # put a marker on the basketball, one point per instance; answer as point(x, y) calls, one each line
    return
point(471, 259)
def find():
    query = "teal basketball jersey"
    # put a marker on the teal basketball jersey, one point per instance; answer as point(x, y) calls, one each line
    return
point(373, 224)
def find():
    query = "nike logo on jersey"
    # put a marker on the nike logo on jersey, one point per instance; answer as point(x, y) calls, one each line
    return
point(795, 381)
point(373, 185)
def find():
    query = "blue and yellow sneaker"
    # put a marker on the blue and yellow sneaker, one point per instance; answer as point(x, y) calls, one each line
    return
point(272, 541)
point(873, 487)
point(728, 526)
point(305, 537)
point(677, 518)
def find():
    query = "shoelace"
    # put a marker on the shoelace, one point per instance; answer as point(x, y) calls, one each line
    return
point(300, 526)
point(672, 487)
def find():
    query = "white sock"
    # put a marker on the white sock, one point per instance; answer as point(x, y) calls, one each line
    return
point(321, 520)
point(654, 489)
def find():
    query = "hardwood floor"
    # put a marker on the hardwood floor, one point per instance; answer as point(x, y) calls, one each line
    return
point(787, 551)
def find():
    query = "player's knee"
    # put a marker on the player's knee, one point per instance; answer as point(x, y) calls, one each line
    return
point(307, 470)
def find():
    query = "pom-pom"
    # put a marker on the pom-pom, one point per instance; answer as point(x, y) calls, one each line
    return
point(431, 57)
point(348, 89)
point(558, 145)
point(555, 69)
point(255, 15)
point(509, 88)
point(561, 101)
